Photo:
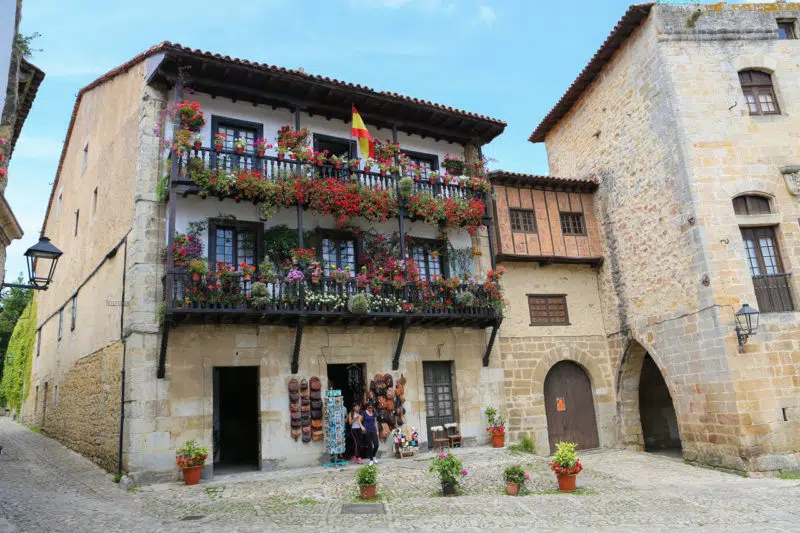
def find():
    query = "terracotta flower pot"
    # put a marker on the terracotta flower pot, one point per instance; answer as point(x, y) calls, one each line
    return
point(198, 145)
point(261, 153)
point(449, 488)
point(367, 169)
point(240, 150)
point(566, 482)
point(368, 493)
point(218, 147)
point(498, 440)
point(512, 489)
point(191, 474)
point(452, 171)
point(281, 156)
point(337, 166)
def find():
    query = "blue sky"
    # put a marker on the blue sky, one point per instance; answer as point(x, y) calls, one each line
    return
point(510, 60)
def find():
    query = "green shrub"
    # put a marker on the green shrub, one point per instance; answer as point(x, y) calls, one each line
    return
point(259, 294)
point(17, 369)
point(515, 474)
point(358, 304)
point(366, 476)
point(406, 187)
point(525, 444)
point(465, 299)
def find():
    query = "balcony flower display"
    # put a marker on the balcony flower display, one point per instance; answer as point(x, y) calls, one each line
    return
point(183, 141)
point(261, 146)
point(353, 164)
point(339, 275)
point(219, 141)
point(247, 271)
point(337, 161)
point(369, 164)
point(197, 142)
point(186, 247)
point(302, 257)
point(293, 141)
point(386, 150)
point(240, 145)
point(448, 212)
point(320, 158)
point(225, 273)
point(198, 269)
point(295, 276)
point(454, 165)
point(191, 116)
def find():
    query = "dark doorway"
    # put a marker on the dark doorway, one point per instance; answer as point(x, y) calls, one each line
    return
point(236, 418)
point(440, 409)
point(350, 380)
point(659, 423)
point(569, 406)
point(335, 145)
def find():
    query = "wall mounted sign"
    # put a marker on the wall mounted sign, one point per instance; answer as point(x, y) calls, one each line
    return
point(560, 406)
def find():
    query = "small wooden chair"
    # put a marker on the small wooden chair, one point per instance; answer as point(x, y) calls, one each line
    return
point(440, 439)
point(453, 435)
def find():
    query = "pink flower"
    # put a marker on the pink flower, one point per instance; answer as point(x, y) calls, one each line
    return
point(464, 472)
point(442, 456)
point(527, 476)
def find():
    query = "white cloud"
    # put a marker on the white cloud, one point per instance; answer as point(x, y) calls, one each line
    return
point(486, 15)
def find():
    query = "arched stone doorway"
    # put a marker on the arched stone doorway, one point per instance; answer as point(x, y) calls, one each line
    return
point(569, 406)
point(647, 412)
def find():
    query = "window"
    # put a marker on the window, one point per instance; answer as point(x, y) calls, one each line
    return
point(758, 92)
point(60, 322)
point(58, 204)
point(426, 162)
point(523, 220)
point(335, 146)
point(235, 130)
point(38, 341)
point(786, 30)
point(55, 396)
point(428, 258)
point(573, 224)
point(548, 309)
point(751, 205)
point(85, 157)
point(94, 202)
point(74, 313)
point(77, 218)
point(338, 249)
point(771, 284)
point(234, 242)
point(36, 400)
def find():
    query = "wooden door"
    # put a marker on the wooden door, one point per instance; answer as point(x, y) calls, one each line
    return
point(439, 406)
point(570, 406)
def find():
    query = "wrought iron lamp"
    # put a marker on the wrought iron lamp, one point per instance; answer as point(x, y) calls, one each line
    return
point(42, 258)
point(746, 324)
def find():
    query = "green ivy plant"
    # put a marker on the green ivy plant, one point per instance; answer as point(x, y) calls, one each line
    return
point(17, 369)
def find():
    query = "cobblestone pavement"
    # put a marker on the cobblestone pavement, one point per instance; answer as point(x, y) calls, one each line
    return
point(45, 487)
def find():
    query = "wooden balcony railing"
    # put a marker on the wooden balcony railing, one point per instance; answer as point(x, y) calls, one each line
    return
point(275, 168)
point(326, 301)
point(774, 293)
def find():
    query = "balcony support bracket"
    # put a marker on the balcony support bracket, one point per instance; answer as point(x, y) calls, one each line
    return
point(492, 338)
point(400, 341)
point(298, 340)
point(162, 353)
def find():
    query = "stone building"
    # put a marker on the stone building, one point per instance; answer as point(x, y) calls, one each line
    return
point(687, 119)
point(201, 356)
point(18, 90)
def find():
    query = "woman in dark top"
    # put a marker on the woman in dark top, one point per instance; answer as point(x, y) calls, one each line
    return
point(370, 424)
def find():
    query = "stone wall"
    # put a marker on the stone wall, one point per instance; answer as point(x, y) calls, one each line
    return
point(181, 406)
point(82, 408)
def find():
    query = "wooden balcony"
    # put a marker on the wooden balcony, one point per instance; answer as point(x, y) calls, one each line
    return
point(203, 299)
point(275, 168)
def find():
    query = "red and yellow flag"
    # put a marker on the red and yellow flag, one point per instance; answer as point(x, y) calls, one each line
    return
point(359, 131)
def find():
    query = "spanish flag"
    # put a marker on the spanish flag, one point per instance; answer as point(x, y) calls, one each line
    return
point(359, 131)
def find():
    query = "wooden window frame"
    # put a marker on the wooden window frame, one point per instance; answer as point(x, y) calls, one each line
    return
point(759, 88)
point(561, 216)
point(317, 137)
point(749, 204)
point(423, 156)
point(236, 225)
point(216, 120)
point(532, 212)
point(444, 263)
point(791, 29)
point(549, 296)
point(339, 235)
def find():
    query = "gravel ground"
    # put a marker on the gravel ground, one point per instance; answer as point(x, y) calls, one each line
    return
point(46, 487)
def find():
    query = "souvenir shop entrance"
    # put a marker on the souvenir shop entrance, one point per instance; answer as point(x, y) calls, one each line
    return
point(236, 422)
point(349, 379)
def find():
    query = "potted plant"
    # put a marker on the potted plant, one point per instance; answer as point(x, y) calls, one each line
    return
point(449, 469)
point(497, 427)
point(197, 141)
point(368, 164)
point(454, 166)
point(405, 187)
point(433, 177)
point(266, 271)
point(340, 276)
point(198, 269)
point(384, 168)
point(315, 271)
point(358, 304)
point(261, 146)
point(247, 271)
point(515, 479)
point(219, 141)
point(191, 457)
point(320, 157)
point(282, 151)
point(336, 161)
point(566, 465)
point(240, 145)
point(367, 478)
point(353, 164)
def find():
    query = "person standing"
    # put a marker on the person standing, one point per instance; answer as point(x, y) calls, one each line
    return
point(356, 431)
point(370, 423)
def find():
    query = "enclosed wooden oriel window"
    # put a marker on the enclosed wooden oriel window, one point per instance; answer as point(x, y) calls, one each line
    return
point(548, 309)
point(522, 220)
point(573, 224)
point(751, 205)
point(759, 92)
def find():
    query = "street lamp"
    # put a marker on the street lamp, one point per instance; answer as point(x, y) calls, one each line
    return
point(42, 258)
point(746, 324)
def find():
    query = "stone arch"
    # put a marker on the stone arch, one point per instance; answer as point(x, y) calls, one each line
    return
point(638, 361)
point(762, 62)
point(563, 353)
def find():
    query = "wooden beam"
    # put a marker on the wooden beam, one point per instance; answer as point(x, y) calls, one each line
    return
point(162, 353)
point(492, 338)
point(400, 341)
